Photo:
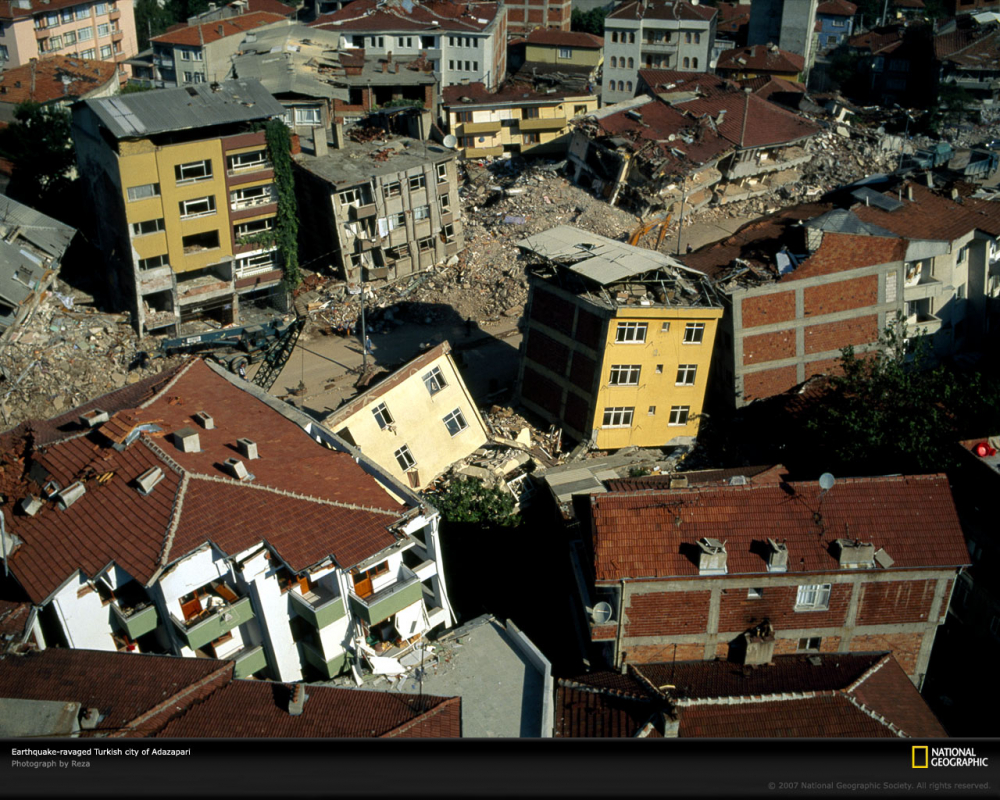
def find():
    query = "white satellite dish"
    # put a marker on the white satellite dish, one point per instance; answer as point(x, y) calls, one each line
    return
point(601, 613)
point(450, 141)
point(826, 481)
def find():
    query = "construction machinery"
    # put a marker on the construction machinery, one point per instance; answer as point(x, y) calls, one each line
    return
point(269, 344)
point(646, 227)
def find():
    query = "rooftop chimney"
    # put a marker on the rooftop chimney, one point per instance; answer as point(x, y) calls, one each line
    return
point(954, 194)
point(70, 495)
point(148, 480)
point(89, 719)
point(758, 645)
point(205, 420)
point(853, 554)
point(187, 441)
point(909, 193)
point(247, 448)
point(94, 417)
point(338, 135)
point(319, 142)
point(297, 701)
point(777, 557)
point(237, 469)
point(31, 505)
point(712, 557)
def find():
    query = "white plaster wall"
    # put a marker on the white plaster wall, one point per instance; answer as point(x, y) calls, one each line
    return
point(194, 572)
point(85, 621)
point(275, 613)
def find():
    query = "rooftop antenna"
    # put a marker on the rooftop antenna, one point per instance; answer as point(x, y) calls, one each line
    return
point(826, 482)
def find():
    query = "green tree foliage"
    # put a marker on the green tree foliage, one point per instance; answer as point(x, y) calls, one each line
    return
point(39, 145)
point(888, 413)
point(470, 500)
point(135, 88)
point(588, 21)
point(152, 20)
point(286, 228)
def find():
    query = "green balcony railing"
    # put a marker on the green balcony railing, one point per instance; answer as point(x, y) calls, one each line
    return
point(314, 656)
point(383, 604)
point(139, 622)
point(318, 608)
point(212, 627)
point(249, 661)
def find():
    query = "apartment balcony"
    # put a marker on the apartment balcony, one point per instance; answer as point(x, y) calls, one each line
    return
point(388, 601)
point(363, 212)
point(543, 124)
point(928, 287)
point(136, 621)
point(254, 202)
point(319, 606)
point(115, 14)
point(201, 288)
point(477, 128)
point(483, 152)
point(214, 620)
point(162, 62)
point(922, 323)
point(248, 661)
point(647, 46)
point(42, 33)
point(314, 655)
point(117, 36)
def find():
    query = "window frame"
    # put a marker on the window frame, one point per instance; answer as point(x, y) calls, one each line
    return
point(625, 328)
point(154, 189)
point(434, 378)
point(404, 457)
point(686, 374)
point(694, 333)
point(383, 418)
point(626, 374)
point(819, 594)
point(206, 173)
point(676, 414)
point(210, 207)
point(142, 228)
point(458, 418)
point(624, 415)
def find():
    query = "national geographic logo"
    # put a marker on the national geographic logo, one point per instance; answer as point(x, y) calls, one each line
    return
point(924, 756)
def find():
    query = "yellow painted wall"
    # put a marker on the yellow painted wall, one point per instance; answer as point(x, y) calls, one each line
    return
point(549, 54)
point(513, 135)
point(142, 163)
point(664, 348)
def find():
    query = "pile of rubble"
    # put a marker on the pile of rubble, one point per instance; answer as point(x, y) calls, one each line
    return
point(66, 354)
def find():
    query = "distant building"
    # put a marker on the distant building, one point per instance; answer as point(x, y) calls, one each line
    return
point(528, 15)
point(177, 180)
point(897, 65)
point(562, 59)
point(57, 81)
point(516, 120)
point(204, 52)
point(790, 24)
point(618, 341)
point(391, 205)
point(835, 19)
point(749, 571)
point(96, 30)
point(970, 60)
point(416, 422)
point(757, 60)
point(464, 43)
point(664, 34)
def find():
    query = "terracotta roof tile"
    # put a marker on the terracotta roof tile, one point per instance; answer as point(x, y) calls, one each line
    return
point(760, 58)
point(931, 215)
point(766, 123)
point(670, 80)
point(651, 534)
point(837, 8)
point(438, 15)
point(889, 692)
point(13, 618)
point(663, 9)
point(702, 477)
point(981, 53)
point(43, 81)
point(587, 714)
point(207, 32)
point(843, 251)
point(551, 36)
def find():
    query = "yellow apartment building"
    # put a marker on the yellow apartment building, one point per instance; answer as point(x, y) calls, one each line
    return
point(182, 198)
point(564, 48)
point(417, 422)
point(618, 342)
point(515, 120)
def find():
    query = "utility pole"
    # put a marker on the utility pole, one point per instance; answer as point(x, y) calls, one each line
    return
point(680, 224)
point(364, 333)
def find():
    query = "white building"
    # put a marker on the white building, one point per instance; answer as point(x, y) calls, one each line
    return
point(147, 520)
point(660, 34)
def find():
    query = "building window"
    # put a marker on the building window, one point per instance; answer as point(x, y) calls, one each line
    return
point(417, 182)
point(659, 369)
point(621, 86)
point(679, 415)
point(463, 116)
point(197, 242)
point(529, 113)
point(455, 422)
point(442, 173)
point(694, 333)
point(434, 381)
point(625, 375)
point(69, 38)
point(687, 38)
point(686, 374)
point(244, 161)
point(245, 229)
point(189, 77)
point(425, 244)
point(451, 63)
point(67, 15)
point(578, 110)
point(100, 9)
point(87, 54)
point(55, 43)
point(529, 138)
point(251, 196)
point(4, 54)
point(103, 30)
point(421, 212)
point(185, 55)
point(392, 189)
point(195, 171)
point(382, 416)
point(308, 115)
point(665, 327)
point(153, 263)
point(83, 12)
point(614, 37)
point(614, 62)
point(405, 458)
point(147, 227)
point(199, 207)
point(687, 62)
point(565, 52)
point(618, 417)
point(631, 63)
point(631, 332)
point(256, 264)
point(813, 597)
point(694, 63)
point(755, 593)
point(628, 86)
point(468, 66)
point(85, 34)
point(445, 202)
point(144, 191)
point(652, 411)
point(810, 645)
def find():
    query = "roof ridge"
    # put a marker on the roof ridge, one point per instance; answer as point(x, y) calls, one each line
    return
point(875, 716)
point(169, 384)
point(868, 673)
point(129, 727)
point(287, 493)
point(421, 717)
point(175, 521)
point(738, 700)
point(570, 683)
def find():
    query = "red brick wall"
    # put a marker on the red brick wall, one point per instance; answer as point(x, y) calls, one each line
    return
point(768, 347)
point(835, 335)
point(768, 308)
point(667, 613)
point(737, 613)
point(841, 296)
point(904, 646)
point(769, 382)
point(603, 632)
point(547, 351)
point(896, 601)
point(784, 647)
point(825, 366)
point(654, 653)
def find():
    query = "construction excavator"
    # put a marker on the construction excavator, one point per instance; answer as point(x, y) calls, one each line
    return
point(645, 227)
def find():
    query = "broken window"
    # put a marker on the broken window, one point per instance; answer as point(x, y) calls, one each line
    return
point(404, 458)
point(625, 375)
point(256, 264)
point(421, 212)
point(694, 332)
point(195, 171)
point(417, 182)
point(244, 229)
point(392, 189)
point(245, 161)
point(147, 227)
point(442, 173)
point(426, 244)
point(455, 422)
point(382, 416)
point(631, 332)
point(679, 415)
point(686, 374)
point(810, 644)
point(199, 207)
point(252, 196)
point(434, 381)
point(445, 202)
point(196, 242)
point(144, 191)
point(618, 417)
point(448, 234)
point(153, 263)
point(813, 597)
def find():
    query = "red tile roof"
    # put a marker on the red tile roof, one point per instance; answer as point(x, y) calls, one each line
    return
point(766, 123)
point(662, 9)
point(888, 691)
point(702, 477)
point(983, 53)
point(669, 80)
point(843, 251)
point(933, 216)
point(837, 8)
point(760, 58)
point(8, 9)
point(259, 709)
point(436, 16)
point(652, 534)
point(208, 32)
point(43, 81)
point(511, 92)
point(584, 713)
point(551, 36)
point(764, 86)
point(884, 40)
point(124, 687)
point(13, 618)
point(307, 501)
point(271, 6)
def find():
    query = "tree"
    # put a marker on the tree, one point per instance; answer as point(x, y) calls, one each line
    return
point(470, 500)
point(588, 21)
point(151, 19)
point(39, 145)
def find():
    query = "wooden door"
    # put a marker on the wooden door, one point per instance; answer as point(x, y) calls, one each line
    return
point(363, 584)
